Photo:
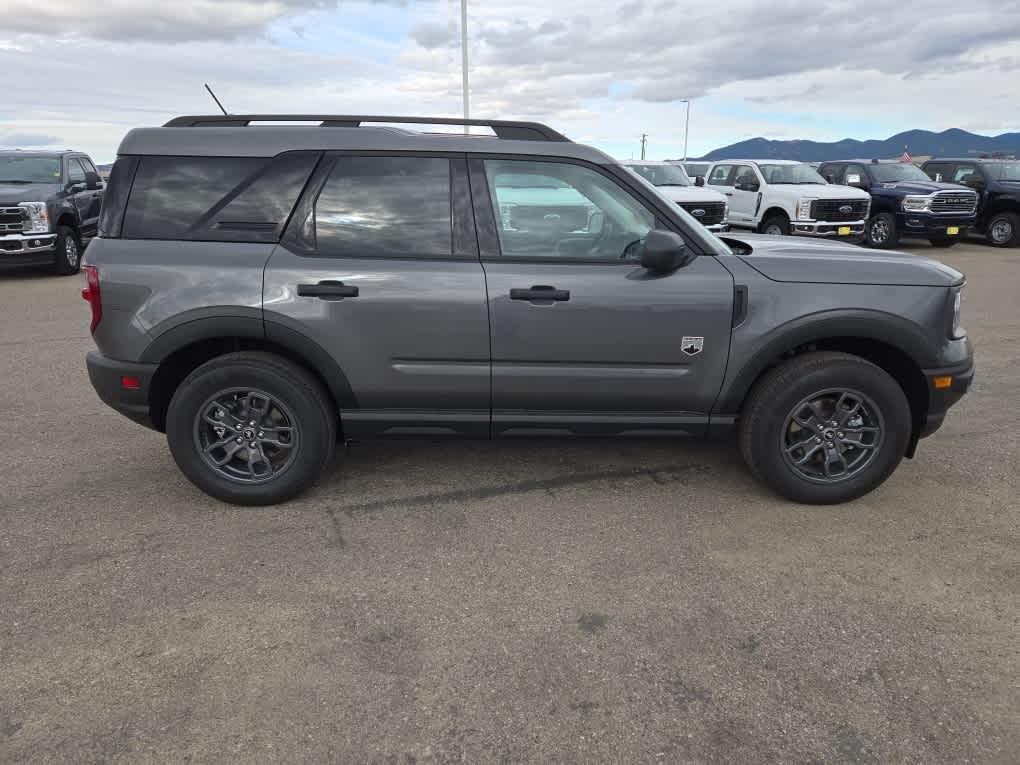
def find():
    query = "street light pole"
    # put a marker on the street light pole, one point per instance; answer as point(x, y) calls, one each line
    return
point(687, 125)
point(464, 60)
point(644, 138)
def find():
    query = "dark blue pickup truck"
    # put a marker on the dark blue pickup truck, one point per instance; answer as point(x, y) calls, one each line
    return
point(906, 202)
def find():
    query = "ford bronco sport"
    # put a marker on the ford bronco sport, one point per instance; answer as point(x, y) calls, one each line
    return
point(260, 292)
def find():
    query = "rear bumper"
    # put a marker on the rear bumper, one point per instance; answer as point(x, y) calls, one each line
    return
point(942, 398)
point(18, 250)
point(827, 228)
point(928, 225)
point(108, 378)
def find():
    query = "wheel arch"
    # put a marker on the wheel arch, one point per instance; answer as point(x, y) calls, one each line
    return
point(885, 340)
point(775, 210)
point(183, 349)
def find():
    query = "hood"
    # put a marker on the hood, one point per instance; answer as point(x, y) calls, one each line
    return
point(792, 259)
point(819, 191)
point(688, 194)
point(920, 187)
point(12, 193)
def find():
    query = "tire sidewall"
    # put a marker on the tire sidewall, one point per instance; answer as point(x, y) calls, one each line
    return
point(776, 220)
point(871, 381)
point(314, 442)
point(63, 266)
point(890, 240)
point(1013, 221)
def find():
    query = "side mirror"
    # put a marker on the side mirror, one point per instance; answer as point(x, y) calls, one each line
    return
point(663, 252)
point(699, 180)
point(74, 188)
point(93, 181)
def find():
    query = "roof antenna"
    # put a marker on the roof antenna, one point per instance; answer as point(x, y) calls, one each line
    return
point(214, 98)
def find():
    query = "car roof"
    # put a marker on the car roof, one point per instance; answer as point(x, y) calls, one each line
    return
point(630, 162)
point(970, 159)
point(38, 152)
point(758, 162)
point(234, 136)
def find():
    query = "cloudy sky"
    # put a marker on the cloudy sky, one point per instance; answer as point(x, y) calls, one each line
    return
point(601, 72)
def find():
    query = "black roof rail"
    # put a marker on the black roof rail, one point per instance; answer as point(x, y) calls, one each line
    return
point(506, 129)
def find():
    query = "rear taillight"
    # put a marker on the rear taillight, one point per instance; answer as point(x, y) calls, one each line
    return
point(91, 295)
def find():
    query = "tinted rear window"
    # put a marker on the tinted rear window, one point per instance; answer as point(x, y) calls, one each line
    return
point(234, 199)
point(385, 206)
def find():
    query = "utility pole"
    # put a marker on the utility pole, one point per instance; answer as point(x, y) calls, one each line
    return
point(464, 60)
point(644, 138)
point(687, 125)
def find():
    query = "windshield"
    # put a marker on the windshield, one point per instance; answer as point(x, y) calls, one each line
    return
point(898, 171)
point(29, 170)
point(1004, 171)
point(662, 175)
point(790, 174)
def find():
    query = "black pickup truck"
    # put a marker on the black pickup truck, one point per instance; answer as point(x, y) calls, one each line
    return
point(49, 208)
point(997, 183)
point(906, 202)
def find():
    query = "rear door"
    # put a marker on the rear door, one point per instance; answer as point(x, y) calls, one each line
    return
point(584, 340)
point(379, 269)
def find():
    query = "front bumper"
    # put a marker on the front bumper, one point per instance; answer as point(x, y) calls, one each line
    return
point(27, 249)
point(945, 393)
point(929, 225)
point(108, 378)
point(827, 228)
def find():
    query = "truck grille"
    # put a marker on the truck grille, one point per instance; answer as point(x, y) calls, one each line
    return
point(711, 212)
point(840, 210)
point(11, 220)
point(958, 202)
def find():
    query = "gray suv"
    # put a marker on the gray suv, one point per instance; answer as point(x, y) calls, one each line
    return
point(259, 293)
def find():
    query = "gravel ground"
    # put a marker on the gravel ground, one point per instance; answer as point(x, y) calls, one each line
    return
point(517, 601)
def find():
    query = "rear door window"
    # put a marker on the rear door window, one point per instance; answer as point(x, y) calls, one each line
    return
point(381, 206)
point(234, 199)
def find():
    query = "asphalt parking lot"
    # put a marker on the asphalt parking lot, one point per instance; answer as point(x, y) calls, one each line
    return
point(514, 601)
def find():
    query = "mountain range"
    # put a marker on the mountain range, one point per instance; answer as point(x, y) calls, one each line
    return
point(920, 143)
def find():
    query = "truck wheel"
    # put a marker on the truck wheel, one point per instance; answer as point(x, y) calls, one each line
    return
point(1004, 230)
point(776, 225)
point(251, 428)
point(67, 252)
point(824, 428)
point(881, 231)
point(943, 241)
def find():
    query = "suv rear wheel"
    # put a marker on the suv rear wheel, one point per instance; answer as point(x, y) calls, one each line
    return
point(1004, 230)
point(825, 427)
point(251, 428)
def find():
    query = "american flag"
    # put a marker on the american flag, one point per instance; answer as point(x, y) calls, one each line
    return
point(906, 155)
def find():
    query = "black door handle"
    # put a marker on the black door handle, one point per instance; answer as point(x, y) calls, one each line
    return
point(327, 290)
point(539, 292)
point(728, 193)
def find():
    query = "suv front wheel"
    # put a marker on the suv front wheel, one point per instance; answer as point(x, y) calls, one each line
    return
point(825, 427)
point(881, 231)
point(251, 428)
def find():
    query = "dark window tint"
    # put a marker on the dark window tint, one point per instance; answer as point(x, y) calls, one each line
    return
point(234, 199)
point(385, 206)
point(75, 172)
point(832, 173)
point(87, 164)
point(112, 214)
point(720, 175)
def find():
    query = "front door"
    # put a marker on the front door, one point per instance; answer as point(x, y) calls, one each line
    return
point(746, 190)
point(584, 340)
point(379, 268)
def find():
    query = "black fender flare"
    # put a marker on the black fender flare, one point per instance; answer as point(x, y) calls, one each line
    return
point(277, 331)
point(886, 328)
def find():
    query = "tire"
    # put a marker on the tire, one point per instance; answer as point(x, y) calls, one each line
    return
point(273, 472)
point(881, 232)
point(67, 252)
point(943, 241)
point(1004, 230)
point(766, 427)
point(776, 224)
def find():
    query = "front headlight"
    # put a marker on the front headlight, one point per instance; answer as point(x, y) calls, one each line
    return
point(957, 304)
point(804, 209)
point(37, 220)
point(916, 204)
point(725, 212)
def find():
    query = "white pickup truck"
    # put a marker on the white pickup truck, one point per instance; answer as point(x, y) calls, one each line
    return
point(786, 197)
point(708, 207)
